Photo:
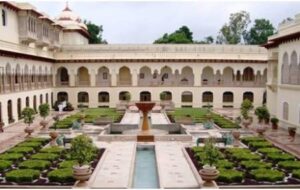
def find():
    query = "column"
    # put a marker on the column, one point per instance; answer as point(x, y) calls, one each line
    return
point(72, 77)
point(114, 78)
point(134, 77)
point(4, 112)
point(197, 78)
point(93, 78)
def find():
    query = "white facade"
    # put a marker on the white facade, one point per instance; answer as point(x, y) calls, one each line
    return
point(51, 60)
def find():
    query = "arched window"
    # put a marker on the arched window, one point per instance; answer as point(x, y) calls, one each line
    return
point(166, 96)
point(145, 96)
point(285, 69)
point(124, 96)
point(293, 71)
point(103, 97)
point(248, 74)
point(27, 102)
point(248, 95)
point(285, 114)
point(83, 97)
point(4, 18)
point(62, 96)
point(9, 111)
point(227, 97)
point(187, 96)
point(207, 97)
point(19, 106)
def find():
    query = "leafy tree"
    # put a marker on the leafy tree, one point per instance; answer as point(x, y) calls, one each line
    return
point(259, 32)
point(28, 115)
point(233, 32)
point(44, 110)
point(181, 36)
point(95, 32)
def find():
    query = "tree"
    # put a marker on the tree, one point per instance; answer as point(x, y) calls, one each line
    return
point(207, 40)
point(259, 32)
point(44, 110)
point(181, 36)
point(233, 32)
point(95, 32)
point(28, 115)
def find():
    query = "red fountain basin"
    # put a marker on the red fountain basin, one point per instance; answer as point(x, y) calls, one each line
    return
point(145, 106)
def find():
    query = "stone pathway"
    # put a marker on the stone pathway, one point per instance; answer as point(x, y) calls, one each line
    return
point(116, 166)
point(174, 170)
point(131, 118)
point(159, 118)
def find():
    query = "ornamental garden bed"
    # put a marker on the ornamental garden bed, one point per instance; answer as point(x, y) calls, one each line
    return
point(261, 164)
point(31, 163)
point(91, 115)
point(198, 115)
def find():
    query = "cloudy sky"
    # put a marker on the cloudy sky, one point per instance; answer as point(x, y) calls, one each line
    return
point(143, 22)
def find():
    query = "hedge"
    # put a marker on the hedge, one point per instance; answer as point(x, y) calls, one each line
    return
point(35, 164)
point(280, 157)
point(245, 156)
point(34, 145)
point(67, 164)
point(260, 144)
point(22, 150)
point(5, 164)
point(11, 156)
point(269, 150)
point(22, 175)
point(252, 139)
point(289, 165)
point(61, 175)
point(296, 174)
point(54, 150)
point(230, 176)
point(45, 156)
point(224, 164)
point(250, 164)
point(267, 175)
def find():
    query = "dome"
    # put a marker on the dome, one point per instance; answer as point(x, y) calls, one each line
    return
point(69, 20)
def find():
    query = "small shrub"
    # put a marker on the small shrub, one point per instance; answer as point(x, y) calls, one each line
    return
point(296, 174)
point(22, 150)
point(250, 165)
point(11, 156)
point(269, 150)
point(61, 175)
point(224, 164)
point(230, 176)
point(5, 164)
point(237, 150)
point(23, 175)
point(67, 164)
point(267, 175)
point(45, 156)
point(55, 150)
point(289, 165)
point(42, 140)
point(196, 149)
point(261, 144)
point(280, 157)
point(252, 139)
point(245, 156)
point(34, 145)
point(35, 164)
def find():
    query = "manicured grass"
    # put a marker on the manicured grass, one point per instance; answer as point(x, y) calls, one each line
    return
point(91, 114)
point(198, 115)
point(45, 156)
point(11, 156)
point(35, 164)
point(5, 164)
point(267, 175)
point(296, 174)
point(250, 164)
point(289, 165)
point(55, 150)
point(230, 176)
point(34, 145)
point(67, 164)
point(61, 175)
point(22, 150)
point(23, 175)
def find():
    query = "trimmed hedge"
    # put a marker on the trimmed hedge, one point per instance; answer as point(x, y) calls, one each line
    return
point(237, 150)
point(37, 139)
point(245, 156)
point(22, 150)
point(54, 150)
point(250, 165)
point(67, 164)
point(34, 145)
point(224, 164)
point(296, 174)
point(280, 157)
point(289, 165)
point(61, 175)
point(23, 175)
point(252, 139)
point(196, 149)
point(11, 156)
point(269, 150)
point(5, 164)
point(45, 156)
point(230, 176)
point(35, 164)
point(267, 175)
point(260, 144)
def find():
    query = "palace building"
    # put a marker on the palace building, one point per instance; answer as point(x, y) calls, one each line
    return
point(45, 60)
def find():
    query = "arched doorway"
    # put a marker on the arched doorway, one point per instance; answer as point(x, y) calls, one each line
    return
point(62, 77)
point(103, 97)
point(83, 77)
point(83, 97)
point(166, 96)
point(27, 102)
point(34, 103)
point(248, 95)
point(145, 96)
point(124, 96)
point(62, 96)
point(124, 76)
point(207, 97)
point(227, 97)
point(187, 96)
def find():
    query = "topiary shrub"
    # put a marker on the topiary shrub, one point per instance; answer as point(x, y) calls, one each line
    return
point(289, 165)
point(224, 164)
point(260, 144)
point(23, 175)
point(45, 156)
point(54, 149)
point(296, 173)
point(22, 150)
point(280, 157)
point(35, 164)
point(5, 164)
point(237, 150)
point(67, 164)
point(230, 176)
point(269, 150)
point(267, 175)
point(11, 156)
point(250, 165)
point(61, 175)
point(41, 140)
point(252, 139)
point(245, 156)
point(35, 145)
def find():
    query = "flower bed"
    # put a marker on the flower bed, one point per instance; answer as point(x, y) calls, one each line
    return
point(47, 166)
point(262, 164)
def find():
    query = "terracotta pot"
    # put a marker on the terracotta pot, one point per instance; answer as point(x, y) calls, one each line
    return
point(53, 135)
point(274, 126)
point(261, 129)
point(246, 122)
point(236, 135)
point(208, 174)
point(292, 132)
point(28, 130)
point(82, 173)
point(44, 123)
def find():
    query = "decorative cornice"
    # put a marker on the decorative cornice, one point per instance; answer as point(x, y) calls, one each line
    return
point(25, 56)
point(275, 42)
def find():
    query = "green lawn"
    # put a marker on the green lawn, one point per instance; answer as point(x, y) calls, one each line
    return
point(198, 116)
point(91, 114)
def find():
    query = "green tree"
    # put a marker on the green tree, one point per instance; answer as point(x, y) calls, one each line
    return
point(232, 32)
point(259, 32)
point(95, 32)
point(28, 115)
point(181, 36)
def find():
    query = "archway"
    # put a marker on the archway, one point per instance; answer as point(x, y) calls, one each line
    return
point(19, 108)
point(227, 97)
point(83, 76)
point(62, 77)
point(207, 97)
point(83, 97)
point(249, 96)
point(103, 77)
point(166, 96)
point(34, 103)
point(145, 96)
point(187, 96)
point(124, 96)
point(124, 76)
point(207, 76)
point(248, 74)
point(62, 96)
point(103, 97)
point(27, 102)
point(9, 111)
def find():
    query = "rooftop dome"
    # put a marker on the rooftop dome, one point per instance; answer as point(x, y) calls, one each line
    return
point(69, 20)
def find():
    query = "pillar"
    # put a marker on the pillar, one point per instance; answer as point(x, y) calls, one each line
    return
point(92, 78)
point(134, 77)
point(114, 78)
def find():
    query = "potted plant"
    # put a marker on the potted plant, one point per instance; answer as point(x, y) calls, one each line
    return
point(274, 121)
point(210, 158)
point(53, 134)
point(44, 112)
point(1, 127)
point(82, 151)
point(292, 132)
point(263, 116)
point(28, 115)
point(246, 106)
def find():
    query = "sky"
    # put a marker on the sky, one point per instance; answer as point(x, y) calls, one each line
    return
point(142, 22)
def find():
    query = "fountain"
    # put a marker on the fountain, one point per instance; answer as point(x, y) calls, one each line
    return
point(145, 134)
